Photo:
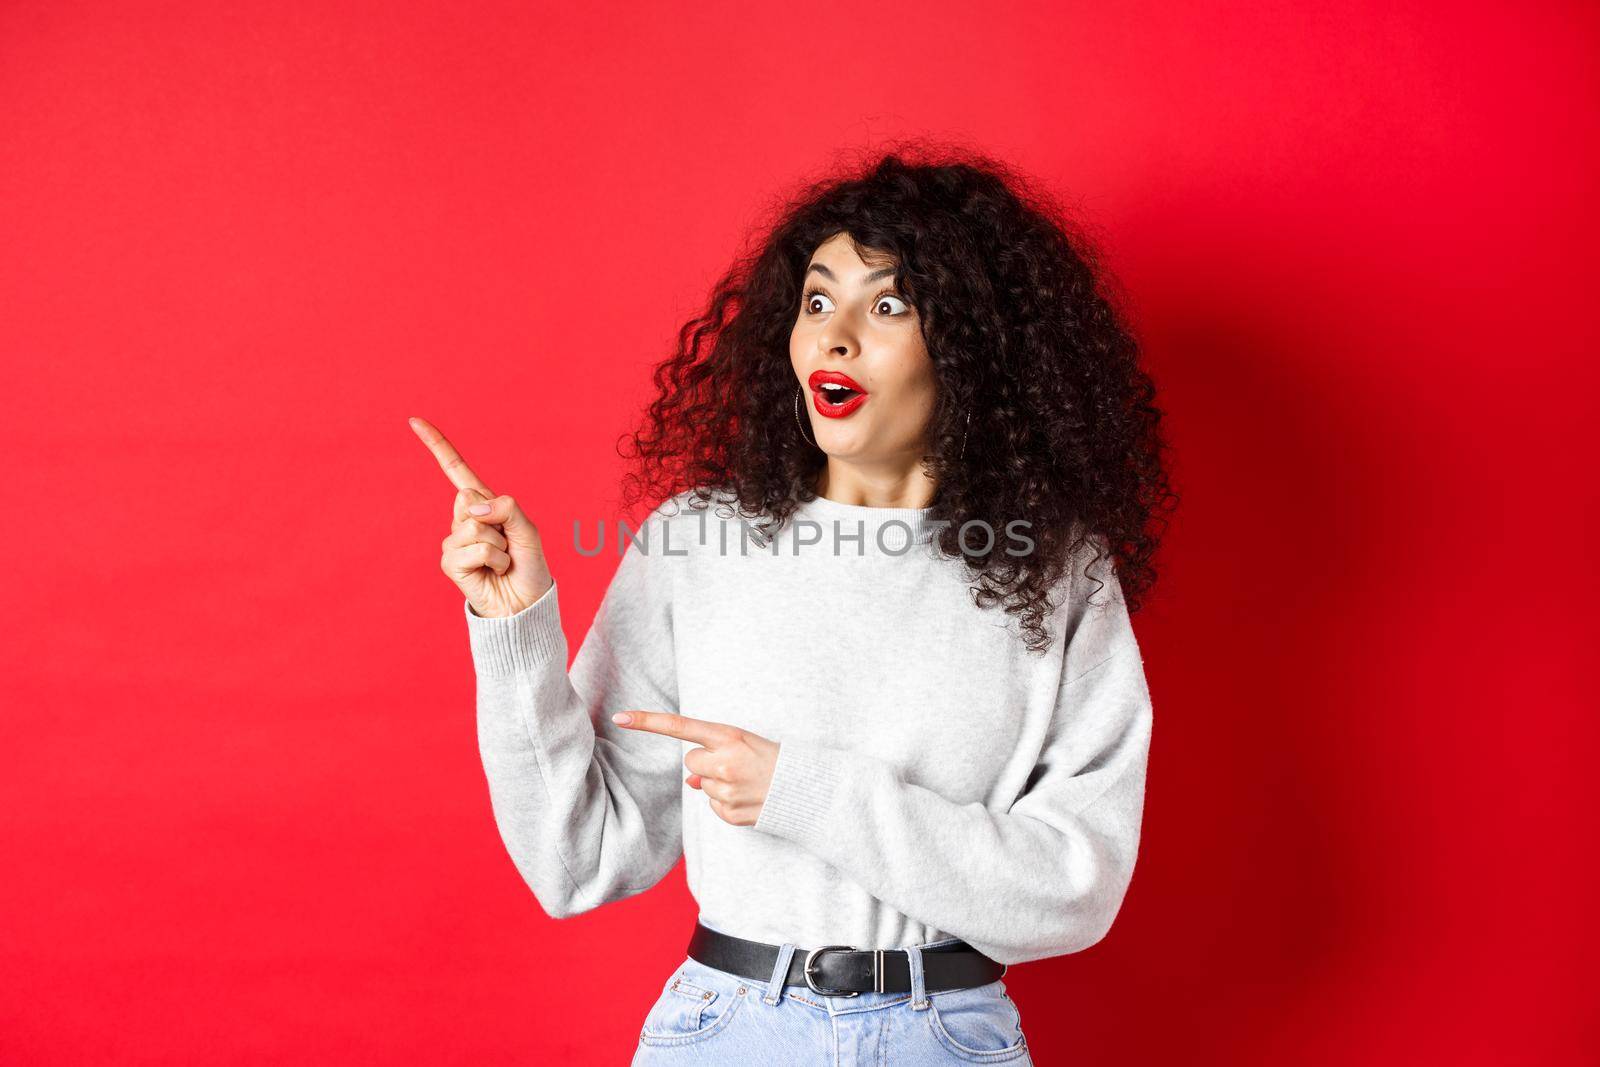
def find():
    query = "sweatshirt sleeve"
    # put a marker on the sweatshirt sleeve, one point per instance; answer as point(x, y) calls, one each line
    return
point(589, 812)
point(1045, 877)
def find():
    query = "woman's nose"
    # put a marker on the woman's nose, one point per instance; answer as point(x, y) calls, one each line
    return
point(835, 342)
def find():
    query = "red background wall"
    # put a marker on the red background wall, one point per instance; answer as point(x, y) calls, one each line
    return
point(243, 813)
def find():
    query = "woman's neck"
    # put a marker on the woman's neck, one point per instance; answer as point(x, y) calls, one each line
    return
point(849, 484)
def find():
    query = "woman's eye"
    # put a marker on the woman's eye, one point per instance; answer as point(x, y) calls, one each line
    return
point(818, 303)
point(811, 302)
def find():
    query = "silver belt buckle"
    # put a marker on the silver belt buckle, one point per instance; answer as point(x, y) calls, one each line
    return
point(808, 972)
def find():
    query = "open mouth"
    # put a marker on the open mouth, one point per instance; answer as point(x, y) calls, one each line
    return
point(835, 395)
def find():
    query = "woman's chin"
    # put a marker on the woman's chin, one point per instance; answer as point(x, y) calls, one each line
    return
point(841, 446)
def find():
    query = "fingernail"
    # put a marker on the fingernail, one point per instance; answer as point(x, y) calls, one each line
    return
point(622, 718)
point(480, 509)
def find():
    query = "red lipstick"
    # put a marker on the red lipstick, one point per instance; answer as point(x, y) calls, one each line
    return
point(835, 394)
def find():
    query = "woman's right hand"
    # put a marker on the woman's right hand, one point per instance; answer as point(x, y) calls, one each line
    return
point(494, 558)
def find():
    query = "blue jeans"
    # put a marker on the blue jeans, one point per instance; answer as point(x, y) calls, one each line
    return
point(710, 1017)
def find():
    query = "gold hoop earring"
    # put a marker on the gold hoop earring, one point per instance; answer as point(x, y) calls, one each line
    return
point(797, 421)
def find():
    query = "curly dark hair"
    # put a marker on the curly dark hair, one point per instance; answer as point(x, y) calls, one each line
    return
point(1022, 332)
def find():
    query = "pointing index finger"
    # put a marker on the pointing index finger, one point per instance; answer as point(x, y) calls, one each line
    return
point(699, 731)
point(455, 468)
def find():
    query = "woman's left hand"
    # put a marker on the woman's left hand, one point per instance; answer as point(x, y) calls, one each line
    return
point(733, 768)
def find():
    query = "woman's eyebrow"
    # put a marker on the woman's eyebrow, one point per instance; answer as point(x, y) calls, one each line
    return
point(882, 272)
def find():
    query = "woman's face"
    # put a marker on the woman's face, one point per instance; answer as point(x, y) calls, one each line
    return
point(853, 329)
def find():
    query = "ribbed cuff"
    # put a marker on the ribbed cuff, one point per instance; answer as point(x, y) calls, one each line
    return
point(805, 784)
point(524, 643)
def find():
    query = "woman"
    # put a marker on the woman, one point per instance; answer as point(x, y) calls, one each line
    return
point(908, 465)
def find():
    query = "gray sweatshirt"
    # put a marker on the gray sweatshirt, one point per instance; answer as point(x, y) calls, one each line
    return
point(934, 778)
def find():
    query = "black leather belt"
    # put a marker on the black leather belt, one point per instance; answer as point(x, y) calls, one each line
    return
point(843, 970)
